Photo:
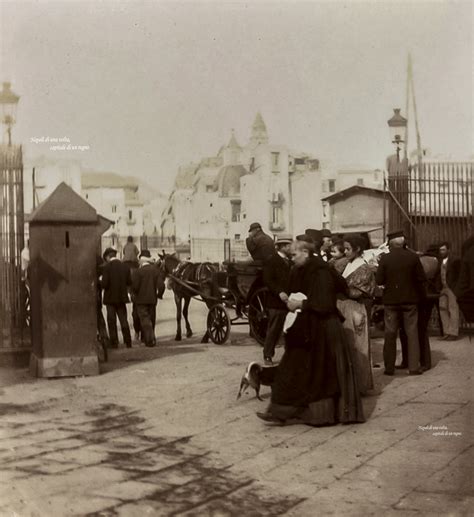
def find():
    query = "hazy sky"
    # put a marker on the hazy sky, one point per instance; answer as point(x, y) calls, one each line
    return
point(152, 85)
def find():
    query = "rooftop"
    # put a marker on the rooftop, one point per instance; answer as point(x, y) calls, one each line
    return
point(351, 191)
point(64, 206)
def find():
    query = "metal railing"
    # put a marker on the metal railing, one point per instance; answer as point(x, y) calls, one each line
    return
point(13, 320)
point(433, 204)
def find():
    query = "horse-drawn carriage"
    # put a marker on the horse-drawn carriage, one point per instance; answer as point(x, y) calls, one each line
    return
point(233, 292)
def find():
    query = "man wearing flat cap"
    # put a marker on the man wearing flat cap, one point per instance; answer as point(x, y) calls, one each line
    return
point(260, 245)
point(402, 276)
point(276, 275)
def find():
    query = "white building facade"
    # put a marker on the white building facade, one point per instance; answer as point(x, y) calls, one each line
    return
point(259, 181)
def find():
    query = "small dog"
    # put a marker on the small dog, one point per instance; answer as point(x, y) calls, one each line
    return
point(256, 375)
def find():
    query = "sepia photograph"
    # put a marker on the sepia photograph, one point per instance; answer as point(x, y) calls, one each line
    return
point(236, 258)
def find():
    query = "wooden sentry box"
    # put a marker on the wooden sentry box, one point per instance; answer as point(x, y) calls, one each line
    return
point(64, 232)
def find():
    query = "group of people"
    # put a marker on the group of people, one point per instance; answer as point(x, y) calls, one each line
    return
point(321, 295)
point(135, 277)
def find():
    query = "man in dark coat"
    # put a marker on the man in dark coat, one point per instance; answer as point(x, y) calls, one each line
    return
point(115, 280)
point(145, 286)
point(260, 245)
point(276, 274)
point(401, 274)
point(448, 305)
point(425, 308)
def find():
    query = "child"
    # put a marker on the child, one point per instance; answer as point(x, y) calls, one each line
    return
point(338, 259)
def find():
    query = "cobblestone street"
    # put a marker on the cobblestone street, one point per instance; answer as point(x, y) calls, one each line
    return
point(160, 433)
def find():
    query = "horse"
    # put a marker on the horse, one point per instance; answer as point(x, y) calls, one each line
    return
point(198, 276)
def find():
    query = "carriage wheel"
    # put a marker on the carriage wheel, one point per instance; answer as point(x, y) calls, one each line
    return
point(258, 316)
point(218, 324)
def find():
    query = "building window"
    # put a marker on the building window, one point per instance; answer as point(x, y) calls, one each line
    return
point(252, 165)
point(360, 182)
point(114, 209)
point(209, 188)
point(235, 206)
point(275, 162)
point(237, 237)
point(332, 185)
point(87, 196)
point(130, 215)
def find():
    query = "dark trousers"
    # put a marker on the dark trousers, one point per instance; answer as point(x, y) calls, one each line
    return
point(147, 315)
point(424, 314)
point(136, 319)
point(276, 319)
point(113, 311)
point(396, 317)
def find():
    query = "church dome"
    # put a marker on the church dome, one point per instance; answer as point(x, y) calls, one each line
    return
point(228, 180)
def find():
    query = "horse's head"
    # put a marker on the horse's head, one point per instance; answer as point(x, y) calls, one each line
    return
point(168, 262)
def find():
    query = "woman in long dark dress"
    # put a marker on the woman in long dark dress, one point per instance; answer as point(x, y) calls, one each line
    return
point(315, 382)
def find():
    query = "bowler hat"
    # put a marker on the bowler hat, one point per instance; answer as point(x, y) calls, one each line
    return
point(315, 235)
point(255, 226)
point(395, 234)
point(145, 253)
point(325, 232)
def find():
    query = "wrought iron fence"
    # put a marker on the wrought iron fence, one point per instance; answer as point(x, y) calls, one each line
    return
point(433, 204)
point(13, 318)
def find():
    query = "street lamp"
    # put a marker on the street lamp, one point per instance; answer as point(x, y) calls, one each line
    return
point(398, 129)
point(8, 103)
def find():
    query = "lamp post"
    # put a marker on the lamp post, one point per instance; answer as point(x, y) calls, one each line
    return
point(398, 129)
point(398, 183)
point(8, 104)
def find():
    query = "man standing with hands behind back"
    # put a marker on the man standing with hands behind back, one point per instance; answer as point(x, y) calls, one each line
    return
point(401, 274)
point(276, 275)
point(448, 304)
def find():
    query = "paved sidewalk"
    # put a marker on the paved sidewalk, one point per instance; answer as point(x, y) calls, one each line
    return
point(161, 433)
